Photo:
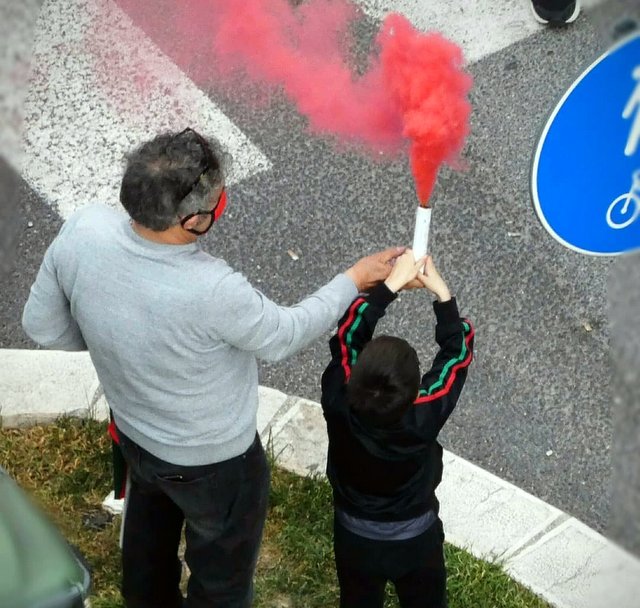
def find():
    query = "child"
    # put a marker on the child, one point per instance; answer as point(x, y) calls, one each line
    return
point(384, 461)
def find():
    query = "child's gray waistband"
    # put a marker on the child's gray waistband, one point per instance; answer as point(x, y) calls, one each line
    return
point(386, 530)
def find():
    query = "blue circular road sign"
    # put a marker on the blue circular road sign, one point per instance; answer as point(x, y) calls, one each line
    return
point(585, 179)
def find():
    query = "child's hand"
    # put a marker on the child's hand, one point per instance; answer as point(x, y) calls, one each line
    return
point(404, 271)
point(432, 280)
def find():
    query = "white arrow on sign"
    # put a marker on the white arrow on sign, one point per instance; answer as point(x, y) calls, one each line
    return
point(80, 121)
point(633, 105)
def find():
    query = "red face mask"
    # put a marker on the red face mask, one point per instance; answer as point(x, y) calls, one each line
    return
point(218, 210)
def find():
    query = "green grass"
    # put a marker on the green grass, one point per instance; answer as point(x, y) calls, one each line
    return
point(66, 468)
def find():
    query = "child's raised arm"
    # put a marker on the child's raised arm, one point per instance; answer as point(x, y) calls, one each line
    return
point(442, 384)
point(355, 329)
point(357, 325)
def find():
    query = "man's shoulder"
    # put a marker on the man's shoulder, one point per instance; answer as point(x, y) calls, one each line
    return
point(95, 211)
point(93, 215)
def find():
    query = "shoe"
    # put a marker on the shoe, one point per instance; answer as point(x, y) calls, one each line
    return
point(555, 12)
point(113, 505)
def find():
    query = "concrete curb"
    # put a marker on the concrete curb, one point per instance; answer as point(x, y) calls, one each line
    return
point(556, 556)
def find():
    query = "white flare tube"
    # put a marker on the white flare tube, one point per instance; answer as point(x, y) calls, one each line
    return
point(421, 232)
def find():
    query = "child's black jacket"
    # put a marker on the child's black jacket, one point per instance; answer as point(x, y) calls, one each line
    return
point(391, 474)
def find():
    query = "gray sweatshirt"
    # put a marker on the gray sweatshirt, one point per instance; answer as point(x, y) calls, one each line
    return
point(173, 332)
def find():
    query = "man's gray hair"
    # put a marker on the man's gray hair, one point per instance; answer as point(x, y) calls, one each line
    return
point(170, 176)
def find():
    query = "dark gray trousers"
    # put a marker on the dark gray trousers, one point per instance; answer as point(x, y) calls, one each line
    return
point(223, 507)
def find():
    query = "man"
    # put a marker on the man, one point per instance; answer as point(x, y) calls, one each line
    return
point(555, 12)
point(174, 334)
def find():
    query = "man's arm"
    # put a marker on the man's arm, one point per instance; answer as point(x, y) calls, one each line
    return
point(46, 318)
point(250, 321)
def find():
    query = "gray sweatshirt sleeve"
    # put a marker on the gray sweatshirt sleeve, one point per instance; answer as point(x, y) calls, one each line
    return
point(46, 318)
point(248, 320)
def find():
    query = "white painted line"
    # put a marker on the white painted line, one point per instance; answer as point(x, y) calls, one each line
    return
point(287, 417)
point(480, 27)
point(300, 444)
point(80, 120)
point(269, 402)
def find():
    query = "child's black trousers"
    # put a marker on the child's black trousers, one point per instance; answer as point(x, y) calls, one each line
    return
point(414, 566)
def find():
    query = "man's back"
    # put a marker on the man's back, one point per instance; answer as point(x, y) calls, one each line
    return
point(145, 311)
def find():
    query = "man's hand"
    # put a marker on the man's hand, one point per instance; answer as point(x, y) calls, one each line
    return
point(374, 269)
point(405, 272)
point(432, 280)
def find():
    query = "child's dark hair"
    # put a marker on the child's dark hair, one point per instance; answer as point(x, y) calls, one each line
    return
point(384, 381)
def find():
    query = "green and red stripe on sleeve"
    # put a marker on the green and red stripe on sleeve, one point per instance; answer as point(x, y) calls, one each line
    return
point(346, 331)
point(450, 370)
point(355, 330)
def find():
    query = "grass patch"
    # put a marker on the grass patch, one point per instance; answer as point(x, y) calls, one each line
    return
point(66, 467)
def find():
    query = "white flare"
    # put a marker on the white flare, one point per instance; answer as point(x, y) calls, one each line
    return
point(421, 232)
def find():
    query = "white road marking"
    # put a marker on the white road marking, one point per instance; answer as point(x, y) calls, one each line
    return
point(80, 121)
point(480, 27)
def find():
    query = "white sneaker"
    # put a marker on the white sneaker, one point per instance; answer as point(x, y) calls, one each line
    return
point(113, 505)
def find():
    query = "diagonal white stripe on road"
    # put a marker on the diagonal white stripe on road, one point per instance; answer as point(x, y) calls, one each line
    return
point(80, 120)
point(481, 27)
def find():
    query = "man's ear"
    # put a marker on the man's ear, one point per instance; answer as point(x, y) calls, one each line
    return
point(191, 223)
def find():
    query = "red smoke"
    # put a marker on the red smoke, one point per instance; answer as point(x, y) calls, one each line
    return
point(423, 74)
point(414, 91)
